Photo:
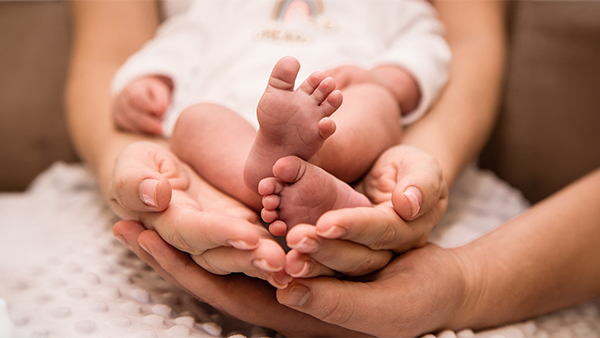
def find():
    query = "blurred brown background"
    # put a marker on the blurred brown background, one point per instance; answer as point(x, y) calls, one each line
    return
point(34, 46)
point(548, 133)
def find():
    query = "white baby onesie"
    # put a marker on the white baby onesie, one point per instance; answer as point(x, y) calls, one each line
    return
point(222, 51)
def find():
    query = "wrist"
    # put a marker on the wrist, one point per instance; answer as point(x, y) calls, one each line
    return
point(473, 292)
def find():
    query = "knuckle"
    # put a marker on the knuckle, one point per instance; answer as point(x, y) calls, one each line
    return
point(119, 188)
point(175, 234)
point(205, 261)
point(365, 266)
point(421, 241)
point(386, 238)
point(339, 312)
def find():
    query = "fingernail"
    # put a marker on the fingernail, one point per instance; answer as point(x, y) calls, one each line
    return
point(148, 190)
point(241, 245)
point(413, 195)
point(263, 265)
point(306, 245)
point(143, 246)
point(332, 232)
point(280, 282)
point(306, 267)
point(123, 241)
point(297, 296)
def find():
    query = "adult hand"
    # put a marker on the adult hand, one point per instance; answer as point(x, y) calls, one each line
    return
point(248, 299)
point(152, 186)
point(421, 291)
point(412, 194)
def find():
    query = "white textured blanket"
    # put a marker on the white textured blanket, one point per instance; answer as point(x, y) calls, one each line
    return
point(63, 275)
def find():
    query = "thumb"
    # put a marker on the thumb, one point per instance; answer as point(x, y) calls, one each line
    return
point(343, 303)
point(419, 191)
point(138, 184)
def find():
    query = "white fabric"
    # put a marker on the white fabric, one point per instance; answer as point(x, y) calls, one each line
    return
point(223, 51)
point(64, 275)
point(6, 328)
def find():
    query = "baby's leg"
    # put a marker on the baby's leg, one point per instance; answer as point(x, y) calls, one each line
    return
point(368, 122)
point(216, 141)
point(301, 192)
point(292, 122)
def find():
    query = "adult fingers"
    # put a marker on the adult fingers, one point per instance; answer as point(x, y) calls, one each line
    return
point(194, 231)
point(378, 228)
point(345, 256)
point(334, 301)
point(141, 241)
point(419, 182)
point(266, 262)
point(299, 265)
point(420, 189)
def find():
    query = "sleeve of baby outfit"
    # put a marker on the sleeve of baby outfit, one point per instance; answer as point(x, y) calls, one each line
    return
point(174, 52)
point(418, 45)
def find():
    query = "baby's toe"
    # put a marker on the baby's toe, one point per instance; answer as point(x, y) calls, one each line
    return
point(269, 215)
point(284, 73)
point(332, 103)
point(324, 90)
point(278, 228)
point(269, 186)
point(271, 202)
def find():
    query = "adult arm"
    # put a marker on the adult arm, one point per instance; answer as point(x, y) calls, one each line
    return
point(106, 33)
point(543, 260)
point(455, 130)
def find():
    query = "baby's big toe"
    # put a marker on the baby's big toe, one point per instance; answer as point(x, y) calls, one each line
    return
point(289, 169)
point(283, 75)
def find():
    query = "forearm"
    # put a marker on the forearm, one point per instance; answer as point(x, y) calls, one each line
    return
point(105, 34)
point(458, 125)
point(545, 259)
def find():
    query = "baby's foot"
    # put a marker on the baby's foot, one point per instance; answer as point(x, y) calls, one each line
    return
point(292, 122)
point(301, 192)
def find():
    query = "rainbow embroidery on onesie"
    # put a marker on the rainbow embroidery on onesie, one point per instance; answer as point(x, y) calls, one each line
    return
point(293, 20)
point(288, 10)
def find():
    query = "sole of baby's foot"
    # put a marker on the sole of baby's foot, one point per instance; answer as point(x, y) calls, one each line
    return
point(301, 192)
point(292, 121)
